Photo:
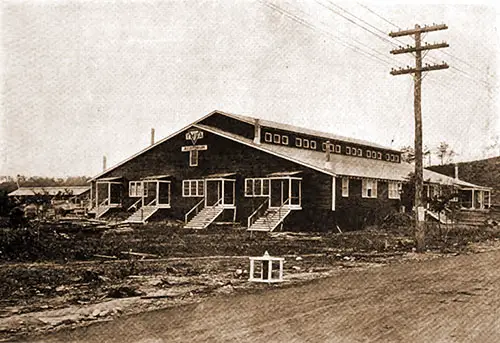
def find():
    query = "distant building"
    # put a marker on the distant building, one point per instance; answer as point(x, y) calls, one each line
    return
point(262, 174)
point(76, 196)
point(485, 172)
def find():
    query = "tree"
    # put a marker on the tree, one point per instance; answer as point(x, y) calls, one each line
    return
point(445, 153)
point(408, 154)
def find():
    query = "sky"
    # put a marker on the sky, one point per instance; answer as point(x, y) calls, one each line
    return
point(83, 79)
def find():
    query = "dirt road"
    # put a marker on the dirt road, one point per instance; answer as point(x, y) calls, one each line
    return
point(452, 299)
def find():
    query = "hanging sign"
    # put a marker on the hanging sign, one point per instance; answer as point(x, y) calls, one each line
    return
point(194, 147)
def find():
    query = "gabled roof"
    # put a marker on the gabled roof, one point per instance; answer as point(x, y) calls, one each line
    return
point(338, 165)
point(31, 191)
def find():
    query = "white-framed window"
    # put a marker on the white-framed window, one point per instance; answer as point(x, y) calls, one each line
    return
point(284, 140)
point(394, 190)
point(345, 187)
point(397, 158)
point(338, 149)
point(193, 188)
point(374, 154)
point(323, 146)
point(268, 137)
point(348, 150)
point(360, 152)
point(277, 138)
point(368, 154)
point(379, 155)
point(256, 187)
point(136, 190)
point(368, 188)
point(193, 158)
point(306, 143)
point(313, 145)
point(298, 142)
point(387, 157)
point(353, 151)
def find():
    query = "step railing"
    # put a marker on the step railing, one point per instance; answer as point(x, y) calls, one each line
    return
point(271, 217)
point(217, 203)
point(134, 205)
point(258, 213)
point(196, 209)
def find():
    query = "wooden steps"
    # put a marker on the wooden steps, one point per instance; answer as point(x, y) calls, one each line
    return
point(270, 220)
point(142, 214)
point(204, 218)
point(102, 210)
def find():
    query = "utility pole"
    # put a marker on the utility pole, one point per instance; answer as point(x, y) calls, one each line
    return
point(417, 78)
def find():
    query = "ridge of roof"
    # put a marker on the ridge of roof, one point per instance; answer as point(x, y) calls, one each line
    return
point(312, 132)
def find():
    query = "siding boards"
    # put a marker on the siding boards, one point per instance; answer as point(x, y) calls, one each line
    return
point(223, 156)
point(355, 212)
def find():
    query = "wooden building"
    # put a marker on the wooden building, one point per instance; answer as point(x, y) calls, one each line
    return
point(262, 174)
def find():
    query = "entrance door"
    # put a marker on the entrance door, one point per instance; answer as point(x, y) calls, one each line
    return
point(228, 192)
point(279, 192)
point(213, 192)
point(296, 196)
point(150, 193)
point(163, 193)
point(115, 196)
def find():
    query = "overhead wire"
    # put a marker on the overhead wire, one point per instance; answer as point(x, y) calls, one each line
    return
point(328, 33)
point(484, 83)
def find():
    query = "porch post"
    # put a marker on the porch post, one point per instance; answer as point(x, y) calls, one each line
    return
point(234, 193)
point(109, 193)
point(157, 193)
point(142, 193)
point(96, 194)
point(489, 199)
point(473, 204)
point(223, 182)
point(333, 192)
point(289, 191)
point(205, 190)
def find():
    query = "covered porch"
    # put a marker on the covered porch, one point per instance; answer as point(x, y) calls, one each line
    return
point(475, 198)
point(283, 194)
point(108, 195)
point(152, 193)
point(219, 196)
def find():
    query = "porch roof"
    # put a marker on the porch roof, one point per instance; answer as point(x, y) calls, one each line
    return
point(219, 176)
point(285, 173)
point(156, 177)
point(113, 178)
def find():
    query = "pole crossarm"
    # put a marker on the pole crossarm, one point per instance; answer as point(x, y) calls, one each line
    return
point(415, 70)
point(418, 30)
point(427, 46)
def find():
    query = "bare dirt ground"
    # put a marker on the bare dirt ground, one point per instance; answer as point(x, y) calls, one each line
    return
point(453, 299)
point(69, 278)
